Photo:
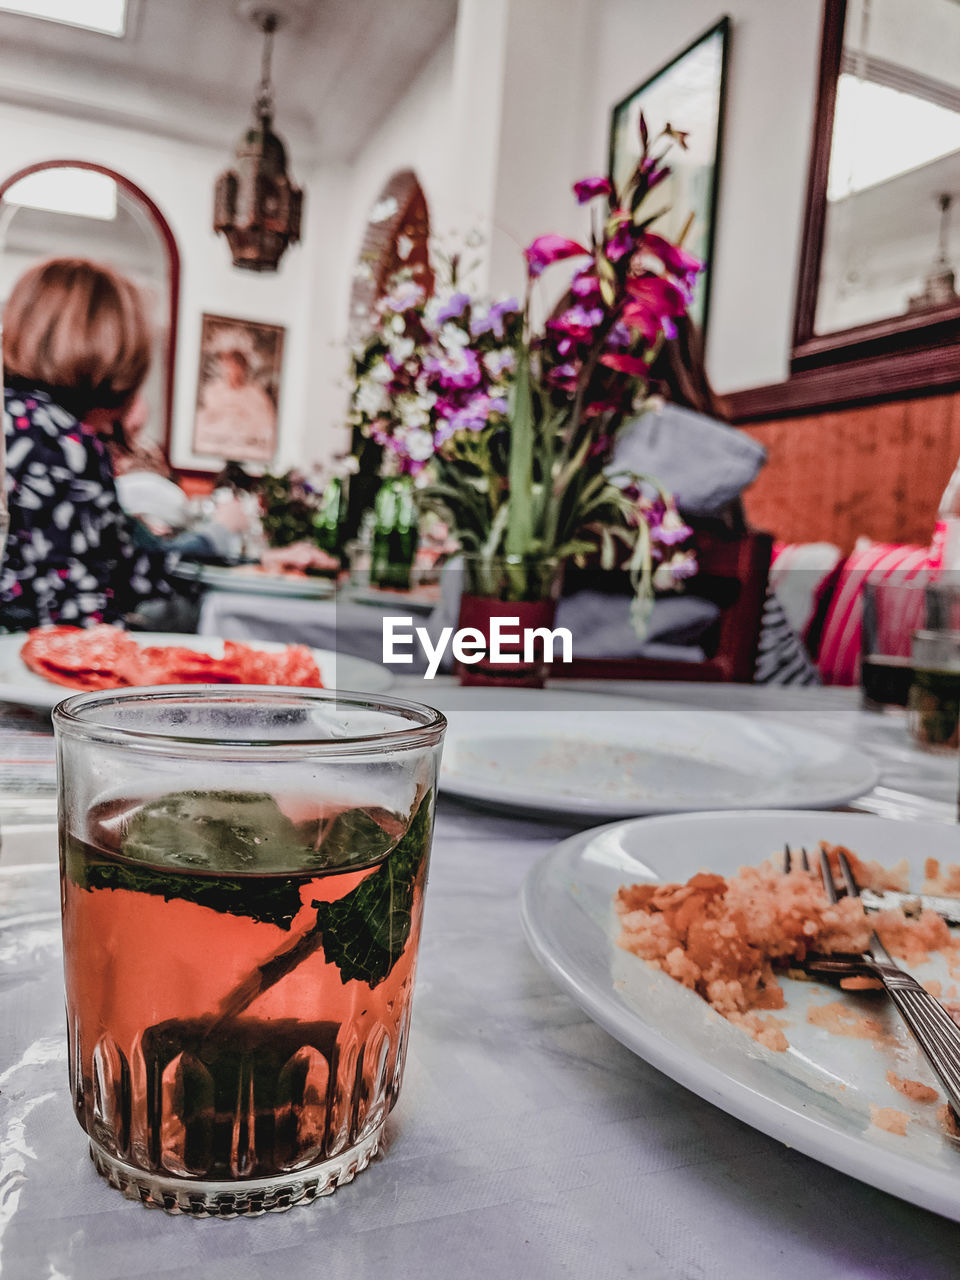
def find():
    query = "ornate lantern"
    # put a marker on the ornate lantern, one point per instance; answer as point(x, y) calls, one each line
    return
point(256, 206)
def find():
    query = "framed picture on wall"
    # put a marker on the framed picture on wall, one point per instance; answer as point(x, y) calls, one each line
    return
point(238, 389)
point(688, 93)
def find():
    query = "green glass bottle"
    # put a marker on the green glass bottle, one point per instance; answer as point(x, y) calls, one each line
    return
point(395, 534)
point(327, 521)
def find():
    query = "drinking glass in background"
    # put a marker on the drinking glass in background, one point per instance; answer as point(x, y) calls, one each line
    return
point(934, 700)
point(239, 963)
point(892, 610)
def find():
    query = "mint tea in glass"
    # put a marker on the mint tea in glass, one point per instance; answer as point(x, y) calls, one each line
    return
point(242, 881)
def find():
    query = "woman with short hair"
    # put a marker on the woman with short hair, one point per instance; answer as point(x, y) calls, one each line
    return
point(76, 349)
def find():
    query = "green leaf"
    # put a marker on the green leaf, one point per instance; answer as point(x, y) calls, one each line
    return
point(364, 933)
point(271, 899)
point(214, 831)
point(186, 844)
point(520, 471)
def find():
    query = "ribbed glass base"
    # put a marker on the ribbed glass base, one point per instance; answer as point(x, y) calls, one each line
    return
point(240, 1198)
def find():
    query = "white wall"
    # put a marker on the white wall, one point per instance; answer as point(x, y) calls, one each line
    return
point(517, 106)
point(510, 110)
point(179, 177)
point(773, 65)
point(416, 135)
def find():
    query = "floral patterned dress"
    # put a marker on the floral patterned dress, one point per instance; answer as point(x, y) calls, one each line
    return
point(69, 557)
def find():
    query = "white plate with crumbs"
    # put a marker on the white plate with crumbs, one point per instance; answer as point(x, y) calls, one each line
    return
point(547, 752)
point(827, 1093)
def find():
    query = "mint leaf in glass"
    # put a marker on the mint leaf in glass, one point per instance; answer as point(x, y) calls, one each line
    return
point(233, 851)
point(214, 831)
point(364, 933)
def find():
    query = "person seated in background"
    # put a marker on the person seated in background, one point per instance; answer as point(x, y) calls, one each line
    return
point(159, 510)
point(76, 349)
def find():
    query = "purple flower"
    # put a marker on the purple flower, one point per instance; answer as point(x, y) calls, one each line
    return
point(681, 565)
point(493, 321)
point(585, 285)
point(668, 529)
point(577, 321)
point(453, 307)
point(474, 415)
point(458, 368)
point(619, 335)
point(620, 243)
point(587, 188)
point(550, 248)
point(565, 375)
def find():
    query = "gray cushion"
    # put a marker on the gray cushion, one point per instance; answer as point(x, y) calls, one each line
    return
point(704, 463)
point(601, 628)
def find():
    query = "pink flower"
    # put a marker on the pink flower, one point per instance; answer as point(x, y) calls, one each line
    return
point(675, 259)
point(642, 320)
point(653, 302)
point(548, 249)
point(596, 407)
point(587, 188)
point(633, 365)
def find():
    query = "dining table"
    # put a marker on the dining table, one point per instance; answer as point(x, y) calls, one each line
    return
point(527, 1141)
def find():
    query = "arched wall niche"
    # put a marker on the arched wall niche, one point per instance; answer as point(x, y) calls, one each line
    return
point(137, 241)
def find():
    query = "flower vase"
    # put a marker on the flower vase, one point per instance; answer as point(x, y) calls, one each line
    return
point(524, 589)
point(395, 535)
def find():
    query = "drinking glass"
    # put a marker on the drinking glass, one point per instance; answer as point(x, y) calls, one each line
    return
point(242, 875)
point(892, 610)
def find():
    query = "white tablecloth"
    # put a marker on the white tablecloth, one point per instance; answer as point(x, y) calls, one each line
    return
point(526, 1143)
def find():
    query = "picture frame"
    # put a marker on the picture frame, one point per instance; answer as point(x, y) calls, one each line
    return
point(689, 94)
point(238, 389)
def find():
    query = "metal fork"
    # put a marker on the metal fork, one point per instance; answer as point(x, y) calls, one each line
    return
point(932, 1027)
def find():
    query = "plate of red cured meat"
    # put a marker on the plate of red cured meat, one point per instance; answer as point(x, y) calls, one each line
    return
point(42, 666)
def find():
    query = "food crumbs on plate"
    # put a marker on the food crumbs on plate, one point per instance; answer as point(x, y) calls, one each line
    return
point(912, 1089)
point(943, 882)
point(764, 1028)
point(948, 1120)
point(842, 1020)
point(889, 1118)
point(933, 987)
point(859, 983)
point(729, 939)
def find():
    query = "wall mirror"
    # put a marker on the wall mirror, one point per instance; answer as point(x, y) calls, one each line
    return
point(879, 286)
point(73, 208)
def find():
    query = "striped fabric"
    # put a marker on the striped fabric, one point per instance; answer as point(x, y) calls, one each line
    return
point(797, 571)
point(781, 658)
point(839, 655)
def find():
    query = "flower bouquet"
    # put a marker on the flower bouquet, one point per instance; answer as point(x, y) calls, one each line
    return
point(514, 425)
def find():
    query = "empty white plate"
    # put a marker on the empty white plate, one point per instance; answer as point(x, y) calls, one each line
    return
point(611, 758)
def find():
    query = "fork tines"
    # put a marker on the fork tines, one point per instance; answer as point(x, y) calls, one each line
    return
point(788, 859)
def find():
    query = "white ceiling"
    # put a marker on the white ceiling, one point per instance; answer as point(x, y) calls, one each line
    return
point(188, 68)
